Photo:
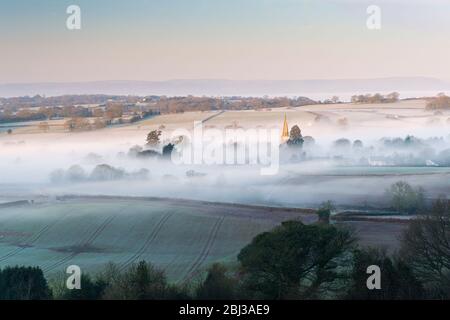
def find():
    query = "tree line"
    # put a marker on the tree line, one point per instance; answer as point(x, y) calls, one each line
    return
point(441, 102)
point(376, 98)
point(190, 103)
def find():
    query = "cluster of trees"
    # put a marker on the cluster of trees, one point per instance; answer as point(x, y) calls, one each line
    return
point(441, 102)
point(333, 100)
point(103, 118)
point(141, 281)
point(140, 152)
point(37, 101)
point(295, 143)
point(39, 108)
point(83, 124)
point(397, 151)
point(45, 113)
point(191, 103)
point(292, 261)
point(23, 283)
point(408, 141)
point(344, 143)
point(376, 98)
point(295, 137)
point(406, 199)
point(414, 151)
point(102, 172)
point(21, 115)
point(113, 107)
point(152, 146)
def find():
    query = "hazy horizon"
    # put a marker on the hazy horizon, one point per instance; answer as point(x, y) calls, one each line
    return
point(315, 89)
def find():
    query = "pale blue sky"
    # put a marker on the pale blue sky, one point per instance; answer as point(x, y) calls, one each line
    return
point(233, 39)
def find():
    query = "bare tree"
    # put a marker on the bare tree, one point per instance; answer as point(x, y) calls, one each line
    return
point(335, 99)
point(426, 246)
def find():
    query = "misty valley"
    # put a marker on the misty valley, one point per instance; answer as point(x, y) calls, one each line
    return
point(128, 186)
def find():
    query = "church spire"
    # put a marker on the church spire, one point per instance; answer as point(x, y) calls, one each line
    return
point(285, 132)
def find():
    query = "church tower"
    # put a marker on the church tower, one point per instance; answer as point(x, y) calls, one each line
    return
point(285, 132)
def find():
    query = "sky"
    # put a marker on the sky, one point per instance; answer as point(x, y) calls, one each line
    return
point(222, 39)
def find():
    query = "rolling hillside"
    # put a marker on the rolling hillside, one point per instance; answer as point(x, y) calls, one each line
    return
point(181, 237)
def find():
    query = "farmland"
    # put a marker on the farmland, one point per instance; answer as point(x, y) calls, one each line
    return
point(182, 237)
point(179, 236)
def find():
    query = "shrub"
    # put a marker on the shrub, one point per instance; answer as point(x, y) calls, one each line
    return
point(90, 289)
point(397, 278)
point(140, 281)
point(217, 285)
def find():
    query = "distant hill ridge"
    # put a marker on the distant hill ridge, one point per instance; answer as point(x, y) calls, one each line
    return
point(221, 87)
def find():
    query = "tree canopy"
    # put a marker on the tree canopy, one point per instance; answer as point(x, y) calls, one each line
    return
point(295, 260)
point(23, 283)
point(295, 137)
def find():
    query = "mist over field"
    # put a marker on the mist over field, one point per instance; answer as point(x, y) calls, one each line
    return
point(351, 162)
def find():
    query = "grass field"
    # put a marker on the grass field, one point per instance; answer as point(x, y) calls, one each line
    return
point(181, 237)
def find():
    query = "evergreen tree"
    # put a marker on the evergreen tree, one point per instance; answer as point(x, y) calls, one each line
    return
point(23, 283)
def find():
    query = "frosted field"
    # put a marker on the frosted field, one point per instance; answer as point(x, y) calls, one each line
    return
point(396, 119)
point(180, 237)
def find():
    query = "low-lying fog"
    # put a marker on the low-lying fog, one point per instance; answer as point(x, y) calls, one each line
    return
point(348, 170)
